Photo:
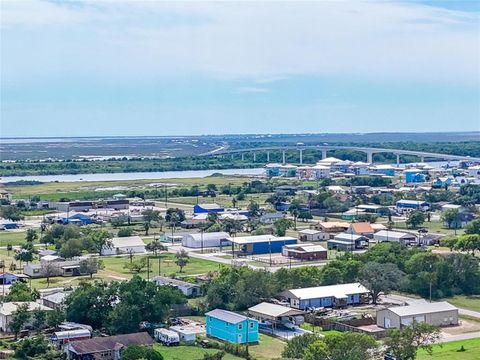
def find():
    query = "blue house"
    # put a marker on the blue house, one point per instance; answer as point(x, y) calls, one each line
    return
point(262, 244)
point(77, 219)
point(327, 296)
point(414, 176)
point(9, 278)
point(206, 208)
point(8, 225)
point(441, 182)
point(231, 327)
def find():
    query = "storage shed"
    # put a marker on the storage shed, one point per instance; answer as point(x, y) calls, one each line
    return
point(199, 240)
point(438, 313)
point(313, 235)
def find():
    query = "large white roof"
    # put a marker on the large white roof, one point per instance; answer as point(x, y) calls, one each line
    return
point(340, 291)
point(422, 307)
point(392, 234)
point(128, 241)
point(309, 231)
point(209, 236)
point(273, 310)
point(10, 307)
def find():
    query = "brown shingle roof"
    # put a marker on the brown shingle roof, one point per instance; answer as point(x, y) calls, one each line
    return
point(100, 344)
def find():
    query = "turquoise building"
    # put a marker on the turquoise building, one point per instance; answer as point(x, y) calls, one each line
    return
point(231, 327)
point(414, 176)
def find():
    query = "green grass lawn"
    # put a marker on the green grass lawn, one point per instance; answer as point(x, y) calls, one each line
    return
point(450, 351)
point(188, 352)
point(12, 237)
point(268, 348)
point(432, 226)
point(466, 302)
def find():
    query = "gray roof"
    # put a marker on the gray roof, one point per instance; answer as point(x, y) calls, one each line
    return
point(274, 310)
point(169, 281)
point(228, 316)
point(422, 307)
point(339, 291)
point(100, 344)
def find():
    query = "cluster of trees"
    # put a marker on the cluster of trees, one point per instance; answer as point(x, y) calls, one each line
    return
point(382, 269)
point(403, 344)
point(11, 212)
point(119, 308)
point(466, 243)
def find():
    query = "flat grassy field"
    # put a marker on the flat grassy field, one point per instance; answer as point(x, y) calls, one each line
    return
point(450, 351)
point(188, 352)
point(78, 190)
point(432, 226)
point(13, 237)
point(466, 302)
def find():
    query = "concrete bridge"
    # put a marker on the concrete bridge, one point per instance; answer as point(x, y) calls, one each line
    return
point(324, 148)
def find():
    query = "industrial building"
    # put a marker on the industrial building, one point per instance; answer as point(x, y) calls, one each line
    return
point(395, 236)
point(327, 296)
point(347, 242)
point(437, 313)
point(262, 244)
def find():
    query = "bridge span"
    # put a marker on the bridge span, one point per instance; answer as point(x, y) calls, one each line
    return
point(324, 148)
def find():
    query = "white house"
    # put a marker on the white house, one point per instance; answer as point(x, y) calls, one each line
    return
point(200, 240)
point(8, 308)
point(395, 236)
point(313, 235)
point(124, 245)
point(474, 171)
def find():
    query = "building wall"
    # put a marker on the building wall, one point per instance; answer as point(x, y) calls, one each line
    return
point(267, 247)
point(234, 333)
point(318, 255)
point(123, 250)
point(444, 318)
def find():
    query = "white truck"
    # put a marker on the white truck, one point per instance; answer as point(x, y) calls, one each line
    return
point(166, 337)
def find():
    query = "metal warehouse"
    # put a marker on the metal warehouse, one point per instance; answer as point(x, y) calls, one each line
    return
point(262, 244)
point(201, 240)
point(327, 296)
point(438, 313)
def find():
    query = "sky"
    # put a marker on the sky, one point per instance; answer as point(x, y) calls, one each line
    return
point(84, 68)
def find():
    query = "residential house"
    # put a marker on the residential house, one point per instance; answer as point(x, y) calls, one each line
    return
point(414, 176)
point(188, 289)
point(270, 218)
point(361, 228)
point(55, 265)
point(437, 313)
point(124, 245)
point(55, 300)
point(7, 278)
point(327, 296)
point(105, 348)
point(332, 226)
point(313, 235)
point(232, 327)
point(8, 308)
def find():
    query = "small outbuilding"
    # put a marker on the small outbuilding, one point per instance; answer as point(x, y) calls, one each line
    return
point(438, 313)
point(188, 289)
point(305, 251)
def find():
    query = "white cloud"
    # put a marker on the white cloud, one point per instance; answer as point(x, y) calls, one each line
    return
point(252, 89)
point(254, 40)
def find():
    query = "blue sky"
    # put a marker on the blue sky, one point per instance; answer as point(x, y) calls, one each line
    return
point(157, 68)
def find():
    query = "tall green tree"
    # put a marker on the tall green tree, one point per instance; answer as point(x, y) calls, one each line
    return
point(381, 279)
point(415, 219)
point(451, 217)
point(181, 259)
point(19, 319)
point(31, 235)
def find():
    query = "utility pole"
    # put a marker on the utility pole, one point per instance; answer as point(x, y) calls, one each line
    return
point(148, 268)
point(160, 264)
point(430, 282)
point(201, 238)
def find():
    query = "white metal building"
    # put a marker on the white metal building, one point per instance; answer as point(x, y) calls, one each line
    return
point(395, 236)
point(125, 245)
point(313, 235)
point(213, 239)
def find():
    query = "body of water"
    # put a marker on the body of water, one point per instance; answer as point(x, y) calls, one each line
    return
point(133, 175)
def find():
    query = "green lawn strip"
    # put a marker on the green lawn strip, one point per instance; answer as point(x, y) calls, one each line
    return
point(12, 238)
point(188, 352)
point(432, 226)
point(450, 351)
point(267, 348)
point(466, 302)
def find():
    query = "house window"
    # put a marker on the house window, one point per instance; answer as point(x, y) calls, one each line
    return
point(226, 325)
point(240, 326)
point(250, 325)
point(36, 271)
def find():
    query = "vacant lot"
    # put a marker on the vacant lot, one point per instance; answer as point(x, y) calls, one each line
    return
point(466, 302)
point(188, 352)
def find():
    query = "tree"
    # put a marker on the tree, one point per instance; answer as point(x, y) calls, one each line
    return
point(136, 352)
point(232, 226)
point(450, 217)
point(136, 266)
point(381, 278)
point(55, 318)
point(182, 259)
point(39, 319)
point(32, 347)
point(100, 240)
point(24, 255)
point(20, 291)
point(155, 246)
point(71, 248)
point(468, 242)
point(331, 276)
point(350, 345)
point(316, 351)
point(31, 235)
point(11, 212)
point(450, 242)
point(253, 209)
point(473, 227)
point(415, 219)
point(19, 319)
point(91, 266)
point(281, 226)
point(305, 215)
point(124, 232)
point(404, 343)
point(49, 269)
point(296, 347)
point(149, 216)
point(294, 210)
